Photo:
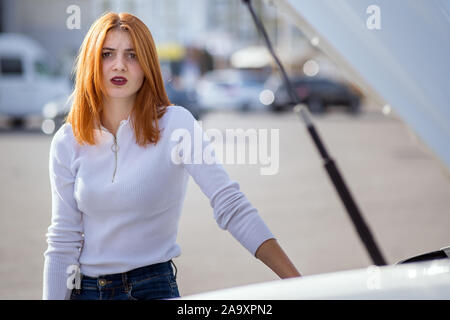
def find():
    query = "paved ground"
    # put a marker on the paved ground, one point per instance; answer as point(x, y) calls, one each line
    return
point(400, 187)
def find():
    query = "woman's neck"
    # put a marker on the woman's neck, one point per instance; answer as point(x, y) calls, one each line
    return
point(114, 111)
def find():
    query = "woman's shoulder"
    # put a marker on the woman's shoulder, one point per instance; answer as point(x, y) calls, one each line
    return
point(178, 110)
point(178, 115)
point(63, 138)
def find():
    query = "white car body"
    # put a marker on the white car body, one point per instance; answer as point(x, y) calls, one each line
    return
point(422, 280)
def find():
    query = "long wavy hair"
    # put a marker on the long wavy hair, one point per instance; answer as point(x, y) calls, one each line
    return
point(151, 99)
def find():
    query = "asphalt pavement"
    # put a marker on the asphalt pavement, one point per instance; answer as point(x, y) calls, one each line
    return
point(401, 188)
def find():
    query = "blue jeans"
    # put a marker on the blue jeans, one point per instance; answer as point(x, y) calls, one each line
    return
point(156, 281)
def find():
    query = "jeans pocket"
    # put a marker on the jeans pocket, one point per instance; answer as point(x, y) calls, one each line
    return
point(156, 287)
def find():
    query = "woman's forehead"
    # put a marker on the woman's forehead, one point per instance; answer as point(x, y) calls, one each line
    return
point(117, 38)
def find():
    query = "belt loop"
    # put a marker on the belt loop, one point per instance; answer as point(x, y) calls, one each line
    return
point(176, 271)
point(125, 281)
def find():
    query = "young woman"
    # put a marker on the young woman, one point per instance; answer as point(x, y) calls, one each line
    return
point(119, 176)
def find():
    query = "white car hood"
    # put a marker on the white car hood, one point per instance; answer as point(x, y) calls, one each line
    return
point(404, 64)
point(424, 280)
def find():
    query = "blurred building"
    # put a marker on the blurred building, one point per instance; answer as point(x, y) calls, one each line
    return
point(45, 21)
point(219, 26)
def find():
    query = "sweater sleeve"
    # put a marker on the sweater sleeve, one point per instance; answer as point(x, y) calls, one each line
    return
point(64, 236)
point(232, 209)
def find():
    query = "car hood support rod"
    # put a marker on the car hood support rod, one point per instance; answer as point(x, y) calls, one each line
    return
point(329, 164)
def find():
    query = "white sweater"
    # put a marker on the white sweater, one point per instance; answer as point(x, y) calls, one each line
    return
point(114, 212)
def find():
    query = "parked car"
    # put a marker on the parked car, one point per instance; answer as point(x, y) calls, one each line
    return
point(230, 89)
point(185, 98)
point(54, 113)
point(317, 93)
point(26, 81)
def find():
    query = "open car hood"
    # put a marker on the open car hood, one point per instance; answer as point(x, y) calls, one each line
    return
point(404, 64)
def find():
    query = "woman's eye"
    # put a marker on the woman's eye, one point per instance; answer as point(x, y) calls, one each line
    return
point(108, 54)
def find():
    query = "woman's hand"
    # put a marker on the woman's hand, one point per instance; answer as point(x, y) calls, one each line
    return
point(274, 257)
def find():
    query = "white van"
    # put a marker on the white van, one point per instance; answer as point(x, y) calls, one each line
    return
point(26, 82)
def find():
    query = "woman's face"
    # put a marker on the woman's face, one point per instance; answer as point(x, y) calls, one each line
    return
point(119, 60)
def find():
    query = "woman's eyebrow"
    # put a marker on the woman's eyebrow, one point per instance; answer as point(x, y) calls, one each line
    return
point(112, 49)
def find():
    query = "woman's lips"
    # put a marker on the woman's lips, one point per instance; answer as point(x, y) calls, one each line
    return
point(119, 81)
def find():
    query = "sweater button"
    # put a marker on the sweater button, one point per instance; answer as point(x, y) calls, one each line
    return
point(102, 282)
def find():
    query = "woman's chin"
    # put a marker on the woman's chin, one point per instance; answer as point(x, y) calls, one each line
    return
point(119, 95)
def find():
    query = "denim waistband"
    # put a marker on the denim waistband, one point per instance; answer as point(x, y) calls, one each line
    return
point(154, 269)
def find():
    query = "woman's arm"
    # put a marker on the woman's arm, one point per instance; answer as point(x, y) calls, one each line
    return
point(64, 236)
point(274, 257)
point(232, 210)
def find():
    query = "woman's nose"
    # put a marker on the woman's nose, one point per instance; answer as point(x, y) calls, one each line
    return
point(119, 64)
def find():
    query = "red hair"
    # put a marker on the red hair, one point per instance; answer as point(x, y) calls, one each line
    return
point(151, 99)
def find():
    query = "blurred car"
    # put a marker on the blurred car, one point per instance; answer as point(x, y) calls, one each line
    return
point(182, 97)
point(230, 89)
point(54, 113)
point(26, 81)
point(317, 93)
